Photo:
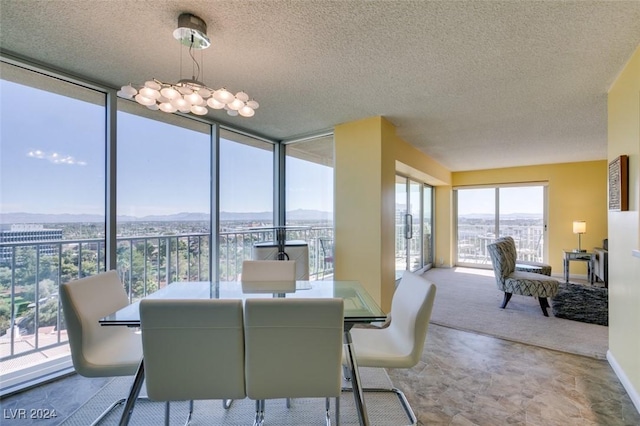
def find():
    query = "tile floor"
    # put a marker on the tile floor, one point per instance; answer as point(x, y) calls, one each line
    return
point(463, 379)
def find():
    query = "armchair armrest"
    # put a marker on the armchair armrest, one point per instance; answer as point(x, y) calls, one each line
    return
point(600, 264)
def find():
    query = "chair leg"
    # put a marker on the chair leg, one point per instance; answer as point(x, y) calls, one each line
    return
point(327, 408)
point(167, 413)
point(226, 403)
point(400, 395)
point(190, 413)
point(108, 410)
point(337, 403)
point(544, 304)
point(507, 297)
point(259, 420)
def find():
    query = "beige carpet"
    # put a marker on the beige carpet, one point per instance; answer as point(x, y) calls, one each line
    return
point(467, 299)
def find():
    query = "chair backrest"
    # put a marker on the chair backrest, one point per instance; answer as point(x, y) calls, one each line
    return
point(98, 351)
point(269, 270)
point(503, 259)
point(193, 349)
point(293, 347)
point(411, 308)
point(326, 245)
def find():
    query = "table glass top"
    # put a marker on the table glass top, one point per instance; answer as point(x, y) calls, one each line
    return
point(359, 306)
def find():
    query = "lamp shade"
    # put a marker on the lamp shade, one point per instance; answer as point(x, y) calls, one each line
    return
point(579, 227)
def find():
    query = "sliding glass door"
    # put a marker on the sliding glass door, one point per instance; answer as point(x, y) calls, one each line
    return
point(414, 207)
point(484, 214)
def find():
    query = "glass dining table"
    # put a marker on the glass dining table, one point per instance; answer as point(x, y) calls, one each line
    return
point(359, 308)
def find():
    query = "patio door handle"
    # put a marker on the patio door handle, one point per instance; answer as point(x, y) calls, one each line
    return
point(408, 229)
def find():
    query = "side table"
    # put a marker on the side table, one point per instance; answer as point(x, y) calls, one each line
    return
point(579, 256)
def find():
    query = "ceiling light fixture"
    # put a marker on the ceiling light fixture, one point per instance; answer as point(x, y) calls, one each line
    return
point(190, 95)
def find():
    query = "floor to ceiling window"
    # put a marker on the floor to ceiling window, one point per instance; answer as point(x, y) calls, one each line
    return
point(163, 199)
point(414, 225)
point(484, 214)
point(52, 212)
point(309, 200)
point(246, 205)
point(65, 166)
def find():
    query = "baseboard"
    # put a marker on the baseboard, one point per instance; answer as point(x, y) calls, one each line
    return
point(633, 393)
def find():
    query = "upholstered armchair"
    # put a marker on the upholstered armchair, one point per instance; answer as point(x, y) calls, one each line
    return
point(526, 265)
point(510, 281)
point(600, 263)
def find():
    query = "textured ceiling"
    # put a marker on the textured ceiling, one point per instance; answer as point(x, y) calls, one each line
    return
point(473, 84)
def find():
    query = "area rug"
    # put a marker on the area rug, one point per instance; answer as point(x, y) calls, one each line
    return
point(467, 299)
point(384, 409)
point(582, 302)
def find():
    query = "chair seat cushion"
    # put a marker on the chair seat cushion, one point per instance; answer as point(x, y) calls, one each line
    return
point(535, 267)
point(380, 348)
point(530, 284)
point(118, 354)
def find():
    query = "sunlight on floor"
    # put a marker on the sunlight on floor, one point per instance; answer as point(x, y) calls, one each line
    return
point(474, 271)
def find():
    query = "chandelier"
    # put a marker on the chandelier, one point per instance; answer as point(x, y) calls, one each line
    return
point(190, 95)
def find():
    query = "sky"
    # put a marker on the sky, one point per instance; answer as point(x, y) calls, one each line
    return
point(521, 199)
point(52, 156)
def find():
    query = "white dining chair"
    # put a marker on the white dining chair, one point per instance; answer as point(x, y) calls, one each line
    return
point(400, 344)
point(98, 351)
point(193, 350)
point(293, 349)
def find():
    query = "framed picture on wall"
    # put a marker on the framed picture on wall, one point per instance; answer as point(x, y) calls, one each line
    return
point(619, 184)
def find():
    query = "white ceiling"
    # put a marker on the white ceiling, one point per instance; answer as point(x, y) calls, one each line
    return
point(473, 84)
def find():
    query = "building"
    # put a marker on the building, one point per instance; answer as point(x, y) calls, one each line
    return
point(21, 233)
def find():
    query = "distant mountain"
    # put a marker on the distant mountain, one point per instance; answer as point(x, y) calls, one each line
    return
point(15, 218)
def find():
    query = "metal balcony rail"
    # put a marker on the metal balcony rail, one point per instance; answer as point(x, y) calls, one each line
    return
point(31, 320)
point(473, 240)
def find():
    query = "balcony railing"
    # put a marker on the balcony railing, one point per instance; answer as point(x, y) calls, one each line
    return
point(473, 241)
point(32, 328)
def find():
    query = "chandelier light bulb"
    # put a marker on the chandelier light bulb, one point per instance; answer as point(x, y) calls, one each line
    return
point(151, 84)
point(143, 100)
point(223, 95)
point(204, 92)
point(242, 96)
point(153, 107)
point(236, 104)
point(215, 104)
point(180, 103)
point(246, 111)
point(232, 112)
point(169, 93)
point(199, 110)
point(194, 99)
point(149, 93)
point(253, 104)
point(127, 91)
point(167, 107)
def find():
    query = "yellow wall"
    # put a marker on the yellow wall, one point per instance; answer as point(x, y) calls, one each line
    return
point(364, 206)
point(367, 155)
point(576, 191)
point(624, 232)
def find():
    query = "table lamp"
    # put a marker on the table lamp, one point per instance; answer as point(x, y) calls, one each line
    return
point(579, 227)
